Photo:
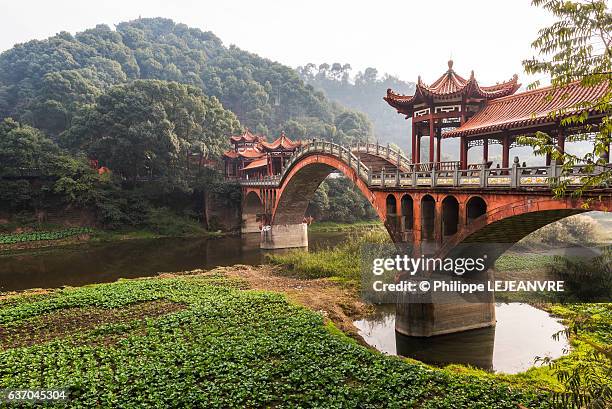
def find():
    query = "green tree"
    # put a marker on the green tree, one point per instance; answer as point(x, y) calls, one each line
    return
point(577, 47)
point(150, 128)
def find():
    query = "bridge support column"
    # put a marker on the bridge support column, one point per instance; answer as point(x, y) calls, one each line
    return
point(250, 224)
point(426, 320)
point(282, 236)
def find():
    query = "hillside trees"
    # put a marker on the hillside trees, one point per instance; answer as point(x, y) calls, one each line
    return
point(151, 128)
point(43, 83)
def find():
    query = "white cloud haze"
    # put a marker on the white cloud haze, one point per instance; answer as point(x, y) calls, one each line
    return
point(403, 38)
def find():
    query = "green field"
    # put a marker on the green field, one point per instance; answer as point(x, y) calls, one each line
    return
point(202, 341)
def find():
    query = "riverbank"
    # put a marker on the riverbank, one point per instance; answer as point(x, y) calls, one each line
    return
point(341, 264)
point(338, 227)
point(221, 339)
point(98, 236)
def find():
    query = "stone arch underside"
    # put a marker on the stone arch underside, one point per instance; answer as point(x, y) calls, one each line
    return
point(502, 227)
point(300, 185)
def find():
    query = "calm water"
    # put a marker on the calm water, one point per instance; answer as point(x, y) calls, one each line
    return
point(105, 262)
point(522, 333)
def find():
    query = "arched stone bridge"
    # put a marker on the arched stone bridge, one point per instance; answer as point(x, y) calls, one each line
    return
point(434, 207)
point(418, 203)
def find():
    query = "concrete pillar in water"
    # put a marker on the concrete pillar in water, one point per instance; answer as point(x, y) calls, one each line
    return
point(282, 236)
point(250, 224)
point(426, 320)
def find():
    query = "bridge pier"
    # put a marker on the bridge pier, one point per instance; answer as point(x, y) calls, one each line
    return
point(250, 224)
point(426, 320)
point(282, 236)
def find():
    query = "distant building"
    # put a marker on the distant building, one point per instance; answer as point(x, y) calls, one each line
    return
point(252, 156)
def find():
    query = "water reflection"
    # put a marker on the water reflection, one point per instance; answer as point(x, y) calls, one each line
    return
point(522, 333)
point(105, 262)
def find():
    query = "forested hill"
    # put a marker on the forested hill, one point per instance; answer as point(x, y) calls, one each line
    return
point(363, 92)
point(44, 83)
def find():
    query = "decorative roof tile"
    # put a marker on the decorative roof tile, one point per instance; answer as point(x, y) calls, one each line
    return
point(529, 108)
point(449, 86)
point(281, 142)
point(256, 164)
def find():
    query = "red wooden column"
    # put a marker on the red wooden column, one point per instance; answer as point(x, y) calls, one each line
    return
point(485, 149)
point(414, 134)
point(506, 151)
point(439, 146)
point(418, 148)
point(432, 137)
point(560, 143)
point(462, 153)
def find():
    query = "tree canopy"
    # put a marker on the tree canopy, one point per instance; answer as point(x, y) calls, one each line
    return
point(43, 83)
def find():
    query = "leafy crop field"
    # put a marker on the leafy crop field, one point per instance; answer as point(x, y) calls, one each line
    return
point(203, 341)
point(43, 235)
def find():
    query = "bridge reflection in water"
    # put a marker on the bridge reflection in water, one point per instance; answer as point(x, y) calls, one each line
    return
point(522, 333)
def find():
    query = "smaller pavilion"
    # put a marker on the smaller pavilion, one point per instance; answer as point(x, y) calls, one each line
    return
point(253, 157)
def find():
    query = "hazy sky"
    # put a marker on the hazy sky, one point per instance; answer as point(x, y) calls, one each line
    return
point(403, 38)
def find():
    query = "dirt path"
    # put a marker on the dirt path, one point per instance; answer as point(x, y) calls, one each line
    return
point(338, 302)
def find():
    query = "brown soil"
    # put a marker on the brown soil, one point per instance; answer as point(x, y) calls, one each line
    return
point(71, 321)
point(338, 302)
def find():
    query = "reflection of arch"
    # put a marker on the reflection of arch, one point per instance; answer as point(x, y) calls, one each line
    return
point(407, 205)
point(391, 207)
point(474, 208)
point(450, 216)
point(428, 218)
point(252, 211)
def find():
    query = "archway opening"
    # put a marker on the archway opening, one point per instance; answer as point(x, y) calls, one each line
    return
point(428, 218)
point(391, 204)
point(252, 213)
point(475, 208)
point(407, 212)
point(450, 216)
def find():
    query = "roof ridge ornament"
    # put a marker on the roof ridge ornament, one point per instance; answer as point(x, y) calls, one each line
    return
point(450, 64)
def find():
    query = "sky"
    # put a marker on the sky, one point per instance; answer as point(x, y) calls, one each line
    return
point(402, 38)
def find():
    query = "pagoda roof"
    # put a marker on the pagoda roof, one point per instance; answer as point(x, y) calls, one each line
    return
point(256, 164)
point(282, 142)
point(247, 136)
point(249, 154)
point(529, 108)
point(450, 86)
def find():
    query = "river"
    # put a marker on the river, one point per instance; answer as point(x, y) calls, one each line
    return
point(521, 334)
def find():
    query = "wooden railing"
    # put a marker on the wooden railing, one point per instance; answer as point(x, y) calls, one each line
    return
point(438, 174)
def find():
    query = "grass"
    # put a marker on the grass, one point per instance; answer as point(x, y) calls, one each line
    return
point(335, 226)
point(225, 347)
point(521, 262)
point(340, 262)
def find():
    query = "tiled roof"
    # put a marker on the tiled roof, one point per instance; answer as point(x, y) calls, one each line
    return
point(282, 141)
point(451, 85)
point(529, 108)
point(256, 164)
point(247, 136)
point(250, 153)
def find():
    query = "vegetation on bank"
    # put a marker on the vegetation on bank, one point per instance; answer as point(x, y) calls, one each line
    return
point(328, 226)
point(203, 341)
point(583, 278)
point(43, 235)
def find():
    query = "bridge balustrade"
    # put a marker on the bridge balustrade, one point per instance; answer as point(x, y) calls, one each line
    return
point(437, 174)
